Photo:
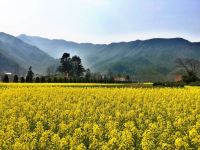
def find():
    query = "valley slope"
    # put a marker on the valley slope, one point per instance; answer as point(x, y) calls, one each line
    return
point(16, 56)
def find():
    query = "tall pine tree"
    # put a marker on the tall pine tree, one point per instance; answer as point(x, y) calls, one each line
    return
point(30, 74)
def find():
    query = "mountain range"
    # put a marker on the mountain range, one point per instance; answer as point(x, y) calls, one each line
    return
point(144, 60)
point(17, 56)
point(149, 60)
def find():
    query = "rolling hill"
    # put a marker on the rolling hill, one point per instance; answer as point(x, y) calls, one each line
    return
point(148, 60)
point(16, 56)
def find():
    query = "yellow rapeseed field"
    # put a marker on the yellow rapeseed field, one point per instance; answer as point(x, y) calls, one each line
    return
point(54, 116)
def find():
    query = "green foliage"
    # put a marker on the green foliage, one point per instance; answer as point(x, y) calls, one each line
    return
point(77, 69)
point(61, 80)
point(15, 80)
point(49, 80)
point(71, 67)
point(65, 66)
point(6, 79)
point(55, 80)
point(30, 74)
point(197, 83)
point(190, 78)
point(37, 80)
point(22, 80)
point(43, 80)
point(168, 84)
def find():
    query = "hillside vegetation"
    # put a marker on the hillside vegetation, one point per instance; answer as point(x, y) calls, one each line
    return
point(148, 60)
point(17, 56)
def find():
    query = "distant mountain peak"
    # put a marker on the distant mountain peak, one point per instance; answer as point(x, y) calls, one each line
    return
point(168, 39)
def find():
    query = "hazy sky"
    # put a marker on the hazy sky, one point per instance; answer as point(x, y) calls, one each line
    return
point(102, 21)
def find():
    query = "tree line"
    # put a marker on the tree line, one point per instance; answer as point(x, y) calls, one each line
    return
point(70, 70)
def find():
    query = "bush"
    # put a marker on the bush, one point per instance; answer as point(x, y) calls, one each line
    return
point(43, 80)
point(37, 80)
point(169, 84)
point(15, 80)
point(49, 80)
point(60, 80)
point(55, 80)
point(6, 79)
point(22, 80)
point(190, 79)
point(195, 83)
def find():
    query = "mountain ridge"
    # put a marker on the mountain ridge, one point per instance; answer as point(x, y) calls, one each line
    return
point(145, 60)
point(149, 59)
point(60, 39)
point(22, 54)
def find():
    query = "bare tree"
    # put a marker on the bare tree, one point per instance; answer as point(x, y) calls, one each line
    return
point(191, 67)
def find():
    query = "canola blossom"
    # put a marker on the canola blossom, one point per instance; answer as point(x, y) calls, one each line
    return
point(52, 116)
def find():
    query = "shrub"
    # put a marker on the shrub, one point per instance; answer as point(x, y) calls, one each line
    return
point(6, 79)
point(37, 80)
point(169, 84)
